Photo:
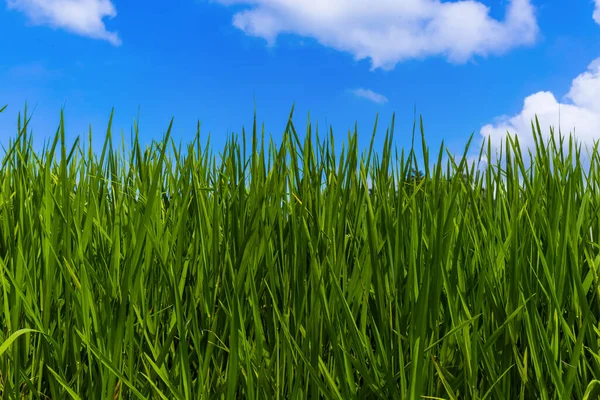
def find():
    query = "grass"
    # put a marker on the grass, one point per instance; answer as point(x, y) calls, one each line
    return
point(281, 273)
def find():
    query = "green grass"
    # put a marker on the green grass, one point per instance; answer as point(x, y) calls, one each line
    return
point(279, 272)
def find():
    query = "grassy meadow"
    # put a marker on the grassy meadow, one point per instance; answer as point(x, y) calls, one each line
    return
point(295, 271)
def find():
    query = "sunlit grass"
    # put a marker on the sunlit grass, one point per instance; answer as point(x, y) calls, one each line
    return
point(291, 272)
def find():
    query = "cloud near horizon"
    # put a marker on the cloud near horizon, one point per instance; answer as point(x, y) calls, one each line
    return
point(370, 95)
point(579, 114)
point(82, 17)
point(389, 31)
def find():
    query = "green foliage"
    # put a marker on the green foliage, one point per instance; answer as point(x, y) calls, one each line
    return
point(296, 273)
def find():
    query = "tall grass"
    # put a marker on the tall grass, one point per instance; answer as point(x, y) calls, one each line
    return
point(293, 272)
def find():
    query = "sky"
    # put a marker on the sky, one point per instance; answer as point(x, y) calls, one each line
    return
point(482, 67)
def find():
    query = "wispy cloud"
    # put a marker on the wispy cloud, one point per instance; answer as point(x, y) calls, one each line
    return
point(34, 70)
point(390, 31)
point(82, 17)
point(597, 12)
point(370, 95)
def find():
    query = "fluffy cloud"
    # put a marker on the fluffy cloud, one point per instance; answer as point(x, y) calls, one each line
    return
point(579, 114)
point(370, 95)
point(390, 31)
point(83, 17)
point(597, 12)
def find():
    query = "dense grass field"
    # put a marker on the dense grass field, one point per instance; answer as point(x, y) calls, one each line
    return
point(291, 271)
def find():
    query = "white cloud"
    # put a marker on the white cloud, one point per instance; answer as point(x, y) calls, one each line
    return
point(390, 31)
point(370, 95)
point(579, 114)
point(83, 17)
point(597, 12)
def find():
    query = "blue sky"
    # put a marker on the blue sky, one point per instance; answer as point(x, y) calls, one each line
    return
point(482, 66)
